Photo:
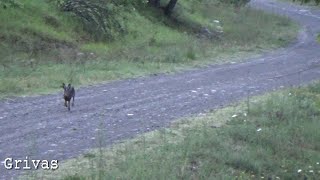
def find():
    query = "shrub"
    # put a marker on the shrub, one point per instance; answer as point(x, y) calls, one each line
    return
point(9, 3)
point(97, 16)
point(236, 3)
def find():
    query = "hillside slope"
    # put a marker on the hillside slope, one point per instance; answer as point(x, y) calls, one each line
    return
point(43, 45)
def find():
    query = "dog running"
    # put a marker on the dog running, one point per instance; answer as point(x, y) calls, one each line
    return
point(68, 94)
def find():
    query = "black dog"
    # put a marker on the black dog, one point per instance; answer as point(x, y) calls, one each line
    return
point(68, 94)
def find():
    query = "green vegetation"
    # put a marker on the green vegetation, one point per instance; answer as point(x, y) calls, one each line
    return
point(276, 136)
point(304, 2)
point(42, 46)
point(315, 2)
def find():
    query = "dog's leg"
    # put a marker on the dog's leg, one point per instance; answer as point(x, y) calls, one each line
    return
point(69, 105)
point(65, 103)
point(73, 101)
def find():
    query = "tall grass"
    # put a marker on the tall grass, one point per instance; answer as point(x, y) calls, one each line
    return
point(278, 139)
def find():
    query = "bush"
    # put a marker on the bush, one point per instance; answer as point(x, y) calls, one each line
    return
point(9, 3)
point(99, 18)
point(308, 1)
point(236, 3)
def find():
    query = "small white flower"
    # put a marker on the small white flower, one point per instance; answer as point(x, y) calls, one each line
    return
point(245, 114)
point(234, 115)
point(277, 177)
point(311, 171)
point(290, 94)
point(299, 170)
point(216, 21)
point(317, 163)
point(259, 129)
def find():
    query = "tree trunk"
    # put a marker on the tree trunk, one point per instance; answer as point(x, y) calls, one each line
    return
point(170, 6)
point(155, 3)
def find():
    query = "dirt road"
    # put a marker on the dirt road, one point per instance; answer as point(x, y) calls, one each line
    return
point(42, 128)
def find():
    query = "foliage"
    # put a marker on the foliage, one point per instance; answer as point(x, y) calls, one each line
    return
point(308, 1)
point(99, 17)
point(9, 3)
point(236, 3)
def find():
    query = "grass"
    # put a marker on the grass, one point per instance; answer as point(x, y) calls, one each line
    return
point(36, 57)
point(277, 138)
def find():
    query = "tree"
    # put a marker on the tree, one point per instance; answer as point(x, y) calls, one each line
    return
point(168, 9)
point(155, 3)
point(170, 6)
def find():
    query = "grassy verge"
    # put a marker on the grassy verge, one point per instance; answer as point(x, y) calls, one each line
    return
point(36, 57)
point(276, 137)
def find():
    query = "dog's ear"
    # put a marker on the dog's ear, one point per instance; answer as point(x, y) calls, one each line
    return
point(69, 85)
point(63, 85)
